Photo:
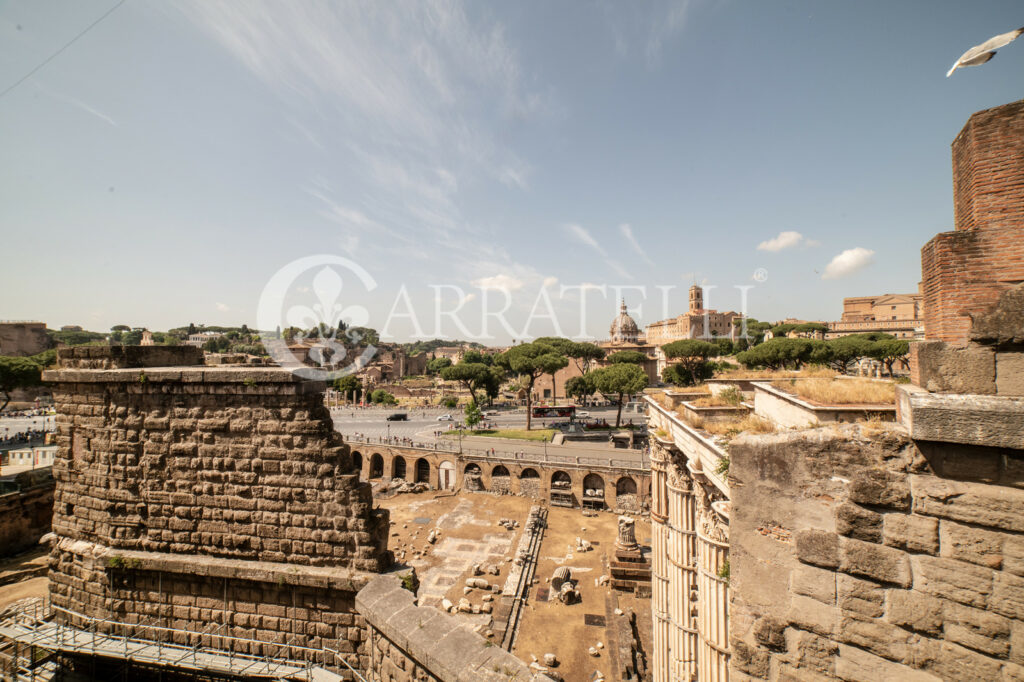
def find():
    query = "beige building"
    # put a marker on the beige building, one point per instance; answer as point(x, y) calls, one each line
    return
point(695, 323)
point(896, 314)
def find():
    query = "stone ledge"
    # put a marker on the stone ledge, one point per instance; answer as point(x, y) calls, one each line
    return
point(324, 577)
point(436, 640)
point(993, 421)
point(220, 374)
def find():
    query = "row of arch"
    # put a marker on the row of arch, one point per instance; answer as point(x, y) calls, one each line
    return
point(419, 470)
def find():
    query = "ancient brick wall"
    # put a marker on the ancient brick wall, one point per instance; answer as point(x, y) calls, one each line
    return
point(23, 338)
point(406, 642)
point(226, 488)
point(964, 271)
point(25, 513)
point(898, 560)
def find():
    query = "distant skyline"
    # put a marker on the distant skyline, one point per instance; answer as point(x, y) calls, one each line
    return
point(170, 162)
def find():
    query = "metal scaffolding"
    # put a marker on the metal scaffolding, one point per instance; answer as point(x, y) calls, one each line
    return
point(34, 639)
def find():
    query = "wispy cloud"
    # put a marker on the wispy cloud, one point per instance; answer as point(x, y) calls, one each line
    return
point(500, 282)
point(670, 22)
point(788, 239)
point(580, 234)
point(627, 231)
point(848, 262)
point(78, 104)
point(223, 307)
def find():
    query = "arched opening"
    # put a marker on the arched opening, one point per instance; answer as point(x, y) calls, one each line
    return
point(625, 494)
point(593, 491)
point(529, 482)
point(561, 489)
point(446, 476)
point(473, 478)
point(398, 467)
point(501, 480)
point(357, 462)
point(422, 470)
point(376, 465)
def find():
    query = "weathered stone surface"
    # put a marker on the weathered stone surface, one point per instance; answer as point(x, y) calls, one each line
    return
point(915, 611)
point(881, 488)
point(952, 579)
point(989, 421)
point(877, 562)
point(810, 614)
point(976, 629)
point(1013, 554)
point(857, 522)
point(978, 546)
point(862, 597)
point(856, 665)
point(818, 548)
point(1010, 373)
point(750, 660)
point(770, 632)
point(977, 503)
point(813, 656)
point(910, 532)
point(814, 582)
point(955, 370)
point(1008, 596)
point(1003, 323)
point(876, 636)
point(951, 661)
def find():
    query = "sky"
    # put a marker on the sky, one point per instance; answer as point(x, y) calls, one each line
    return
point(228, 162)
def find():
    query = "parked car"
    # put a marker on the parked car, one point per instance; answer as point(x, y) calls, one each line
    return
point(491, 413)
point(444, 418)
point(398, 417)
point(582, 414)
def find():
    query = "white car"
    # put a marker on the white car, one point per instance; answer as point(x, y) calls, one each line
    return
point(582, 414)
point(491, 413)
point(445, 418)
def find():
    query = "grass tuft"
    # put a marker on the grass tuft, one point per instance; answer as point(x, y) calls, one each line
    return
point(841, 392)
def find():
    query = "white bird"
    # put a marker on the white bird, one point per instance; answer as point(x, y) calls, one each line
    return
point(979, 54)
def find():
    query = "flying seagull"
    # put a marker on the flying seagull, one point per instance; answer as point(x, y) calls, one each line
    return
point(980, 54)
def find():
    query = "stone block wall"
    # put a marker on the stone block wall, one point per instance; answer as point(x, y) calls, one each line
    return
point(25, 513)
point(406, 642)
point(900, 560)
point(196, 479)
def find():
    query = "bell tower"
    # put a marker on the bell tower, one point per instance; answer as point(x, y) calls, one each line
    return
point(696, 299)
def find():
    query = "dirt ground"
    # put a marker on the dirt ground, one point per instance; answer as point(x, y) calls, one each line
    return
point(469, 534)
point(17, 572)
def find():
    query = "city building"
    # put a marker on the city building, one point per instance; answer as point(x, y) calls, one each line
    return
point(896, 314)
point(71, 328)
point(696, 323)
point(147, 338)
point(200, 338)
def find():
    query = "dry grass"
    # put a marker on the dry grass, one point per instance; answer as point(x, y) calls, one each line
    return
point(733, 427)
point(699, 388)
point(811, 371)
point(730, 397)
point(841, 392)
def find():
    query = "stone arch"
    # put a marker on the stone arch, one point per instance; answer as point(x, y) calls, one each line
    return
point(357, 462)
point(529, 482)
point(398, 467)
point(561, 489)
point(472, 468)
point(472, 479)
point(593, 491)
point(376, 465)
point(501, 479)
point(422, 470)
point(626, 494)
point(446, 475)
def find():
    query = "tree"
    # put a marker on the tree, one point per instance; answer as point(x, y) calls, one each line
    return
point(382, 397)
point(491, 384)
point(725, 346)
point(120, 328)
point(217, 344)
point(529, 361)
point(755, 329)
point(581, 387)
point(17, 373)
point(778, 353)
point(132, 338)
point(191, 328)
point(620, 379)
point(889, 351)
point(435, 365)
point(633, 357)
point(349, 385)
point(478, 357)
point(692, 354)
point(847, 349)
point(584, 355)
point(472, 415)
point(470, 374)
point(450, 402)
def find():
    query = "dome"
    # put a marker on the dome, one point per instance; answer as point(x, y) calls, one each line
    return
point(624, 329)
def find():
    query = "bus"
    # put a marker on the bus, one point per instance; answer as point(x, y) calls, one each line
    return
point(549, 412)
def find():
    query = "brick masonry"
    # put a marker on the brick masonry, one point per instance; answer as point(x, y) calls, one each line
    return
point(964, 271)
point(906, 560)
point(190, 495)
point(25, 513)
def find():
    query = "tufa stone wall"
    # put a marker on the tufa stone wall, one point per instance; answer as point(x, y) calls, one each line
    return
point(26, 511)
point(899, 560)
point(188, 495)
point(406, 642)
point(965, 270)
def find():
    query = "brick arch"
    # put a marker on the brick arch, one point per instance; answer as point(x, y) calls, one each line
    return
point(376, 466)
point(357, 462)
point(422, 473)
point(529, 472)
point(398, 468)
point(594, 491)
point(626, 485)
point(561, 492)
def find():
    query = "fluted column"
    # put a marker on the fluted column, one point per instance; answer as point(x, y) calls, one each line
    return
point(682, 561)
point(712, 592)
point(659, 565)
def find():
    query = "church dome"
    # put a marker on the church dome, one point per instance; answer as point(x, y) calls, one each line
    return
point(624, 329)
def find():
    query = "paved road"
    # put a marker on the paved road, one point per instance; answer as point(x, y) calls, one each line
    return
point(13, 426)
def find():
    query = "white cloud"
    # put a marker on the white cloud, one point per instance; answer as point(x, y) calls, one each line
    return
point(223, 307)
point(550, 281)
point(584, 237)
point(848, 262)
point(79, 104)
point(627, 231)
point(501, 282)
point(786, 240)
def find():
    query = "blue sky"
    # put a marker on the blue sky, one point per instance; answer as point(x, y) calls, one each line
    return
point(165, 166)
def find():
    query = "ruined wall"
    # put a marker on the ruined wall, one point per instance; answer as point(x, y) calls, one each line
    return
point(888, 560)
point(226, 489)
point(408, 642)
point(965, 270)
point(23, 338)
point(25, 513)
